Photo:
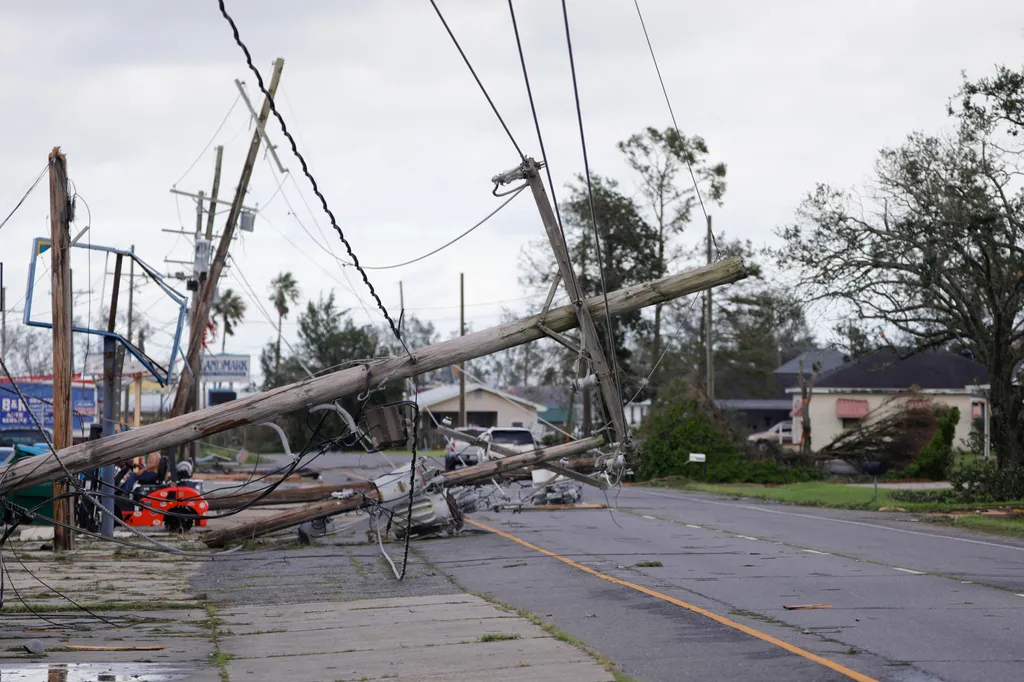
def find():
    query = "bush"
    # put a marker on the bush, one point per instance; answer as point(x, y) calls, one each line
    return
point(550, 439)
point(982, 481)
point(682, 423)
point(936, 458)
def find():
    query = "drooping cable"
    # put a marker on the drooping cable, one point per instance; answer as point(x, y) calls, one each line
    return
point(479, 83)
point(309, 176)
point(21, 201)
point(672, 115)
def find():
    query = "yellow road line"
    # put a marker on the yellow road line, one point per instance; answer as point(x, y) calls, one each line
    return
point(792, 648)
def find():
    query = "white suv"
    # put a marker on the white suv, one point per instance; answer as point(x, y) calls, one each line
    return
point(518, 439)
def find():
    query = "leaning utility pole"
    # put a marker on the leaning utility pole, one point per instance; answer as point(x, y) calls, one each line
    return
point(313, 391)
point(111, 390)
point(462, 365)
point(60, 298)
point(593, 349)
point(3, 312)
point(708, 338)
point(131, 292)
point(205, 300)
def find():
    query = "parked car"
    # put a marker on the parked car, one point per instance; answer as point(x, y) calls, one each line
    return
point(518, 439)
point(779, 435)
point(460, 453)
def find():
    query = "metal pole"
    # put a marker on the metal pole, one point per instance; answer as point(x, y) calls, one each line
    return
point(3, 312)
point(107, 472)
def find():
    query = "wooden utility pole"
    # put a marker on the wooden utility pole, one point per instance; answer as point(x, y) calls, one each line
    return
point(462, 365)
point(60, 283)
point(3, 312)
point(592, 345)
point(328, 387)
point(205, 299)
point(708, 338)
point(131, 292)
point(214, 192)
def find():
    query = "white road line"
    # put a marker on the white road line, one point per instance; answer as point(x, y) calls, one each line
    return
point(746, 537)
point(814, 551)
point(825, 518)
point(690, 525)
point(649, 517)
point(907, 570)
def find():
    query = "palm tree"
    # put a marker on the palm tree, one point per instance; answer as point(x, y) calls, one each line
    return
point(230, 309)
point(283, 290)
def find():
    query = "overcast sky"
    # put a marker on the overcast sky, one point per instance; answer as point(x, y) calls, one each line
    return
point(403, 144)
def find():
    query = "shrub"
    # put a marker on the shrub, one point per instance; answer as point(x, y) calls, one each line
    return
point(982, 481)
point(936, 458)
point(681, 423)
point(550, 439)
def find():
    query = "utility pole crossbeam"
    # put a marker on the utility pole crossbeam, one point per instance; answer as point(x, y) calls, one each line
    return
point(300, 395)
point(596, 352)
point(60, 225)
point(205, 300)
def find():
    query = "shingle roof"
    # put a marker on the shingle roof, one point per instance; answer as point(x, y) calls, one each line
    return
point(884, 369)
point(830, 358)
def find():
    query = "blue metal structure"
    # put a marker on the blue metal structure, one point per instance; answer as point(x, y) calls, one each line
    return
point(161, 374)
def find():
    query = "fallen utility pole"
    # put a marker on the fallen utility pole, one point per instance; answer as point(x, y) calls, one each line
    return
point(60, 298)
point(314, 391)
point(509, 452)
point(306, 493)
point(294, 517)
point(205, 301)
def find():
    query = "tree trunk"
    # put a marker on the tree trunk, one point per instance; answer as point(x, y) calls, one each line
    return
point(806, 389)
point(1005, 402)
point(277, 352)
point(224, 337)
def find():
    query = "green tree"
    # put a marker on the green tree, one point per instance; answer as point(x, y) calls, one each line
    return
point(933, 248)
point(284, 290)
point(230, 310)
point(662, 160)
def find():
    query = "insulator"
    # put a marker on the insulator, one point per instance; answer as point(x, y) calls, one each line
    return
point(586, 382)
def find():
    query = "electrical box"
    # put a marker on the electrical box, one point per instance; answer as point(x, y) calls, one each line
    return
point(387, 426)
point(246, 221)
point(204, 250)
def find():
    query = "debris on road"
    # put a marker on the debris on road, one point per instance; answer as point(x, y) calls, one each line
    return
point(802, 607)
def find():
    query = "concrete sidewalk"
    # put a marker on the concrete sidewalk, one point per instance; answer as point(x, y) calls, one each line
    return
point(331, 612)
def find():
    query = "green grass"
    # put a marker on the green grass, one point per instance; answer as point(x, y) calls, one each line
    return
point(491, 637)
point(824, 494)
point(1007, 526)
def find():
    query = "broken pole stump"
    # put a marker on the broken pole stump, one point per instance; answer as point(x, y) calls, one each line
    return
point(302, 394)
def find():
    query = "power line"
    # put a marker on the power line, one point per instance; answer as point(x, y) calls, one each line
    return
point(445, 246)
point(309, 176)
point(672, 115)
point(593, 211)
point(35, 183)
point(212, 138)
point(477, 79)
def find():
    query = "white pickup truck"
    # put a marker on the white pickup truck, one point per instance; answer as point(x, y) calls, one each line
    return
point(780, 435)
point(462, 454)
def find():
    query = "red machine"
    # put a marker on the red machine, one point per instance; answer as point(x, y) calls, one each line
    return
point(178, 505)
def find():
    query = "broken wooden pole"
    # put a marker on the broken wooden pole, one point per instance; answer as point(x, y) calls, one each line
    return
point(306, 493)
point(509, 452)
point(294, 517)
point(308, 392)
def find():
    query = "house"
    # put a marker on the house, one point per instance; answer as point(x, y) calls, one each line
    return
point(485, 406)
point(764, 412)
point(849, 394)
point(556, 403)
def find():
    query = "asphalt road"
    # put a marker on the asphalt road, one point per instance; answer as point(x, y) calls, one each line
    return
point(908, 601)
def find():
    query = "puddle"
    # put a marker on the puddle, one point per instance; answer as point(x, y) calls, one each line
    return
point(93, 672)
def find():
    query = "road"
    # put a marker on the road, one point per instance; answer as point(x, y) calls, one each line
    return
point(908, 601)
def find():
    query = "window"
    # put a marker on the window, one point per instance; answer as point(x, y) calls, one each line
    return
point(850, 422)
point(512, 437)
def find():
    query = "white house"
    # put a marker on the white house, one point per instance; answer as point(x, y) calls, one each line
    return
point(881, 381)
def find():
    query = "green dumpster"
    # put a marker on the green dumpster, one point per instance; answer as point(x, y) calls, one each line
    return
point(34, 495)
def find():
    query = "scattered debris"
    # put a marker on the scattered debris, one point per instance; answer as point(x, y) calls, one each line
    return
point(84, 647)
point(802, 607)
point(35, 647)
point(652, 564)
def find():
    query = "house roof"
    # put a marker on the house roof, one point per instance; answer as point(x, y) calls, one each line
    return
point(929, 370)
point(439, 394)
point(782, 405)
point(548, 395)
point(830, 358)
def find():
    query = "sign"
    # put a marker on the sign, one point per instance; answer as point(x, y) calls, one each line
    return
point(17, 414)
point(225, 368)
point(697, 457)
